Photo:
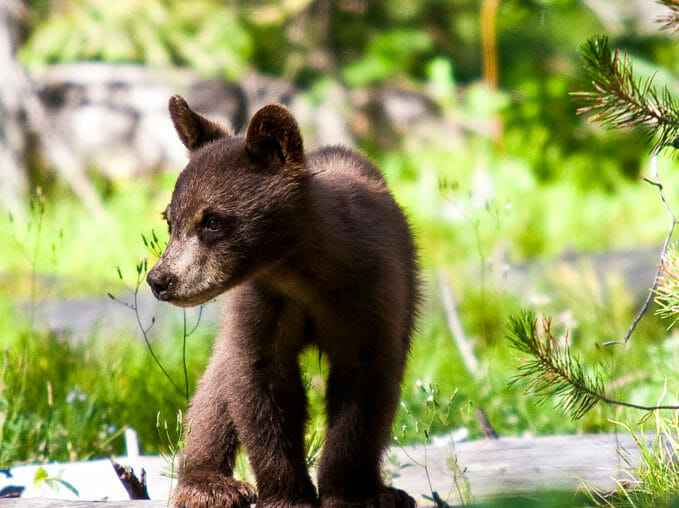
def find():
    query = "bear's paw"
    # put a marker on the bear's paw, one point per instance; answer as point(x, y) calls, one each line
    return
point(212, 490)
point(389, 498)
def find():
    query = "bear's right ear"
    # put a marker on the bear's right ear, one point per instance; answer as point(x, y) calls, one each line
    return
point(273, 137)
point(194, 130)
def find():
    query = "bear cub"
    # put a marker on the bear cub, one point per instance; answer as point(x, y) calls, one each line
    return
point(312, 251)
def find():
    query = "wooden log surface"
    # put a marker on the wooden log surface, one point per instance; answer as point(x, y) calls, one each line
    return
point(61, 503)
point(512, 465)
point(492, 468)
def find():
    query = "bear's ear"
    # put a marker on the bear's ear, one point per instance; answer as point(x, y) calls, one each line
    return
point(194, 130)
point(273, 139)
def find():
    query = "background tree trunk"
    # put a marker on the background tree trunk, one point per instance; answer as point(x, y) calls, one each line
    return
point(12, 121)
point(22, 113)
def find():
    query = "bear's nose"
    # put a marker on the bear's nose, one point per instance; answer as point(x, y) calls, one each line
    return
point(161, 282)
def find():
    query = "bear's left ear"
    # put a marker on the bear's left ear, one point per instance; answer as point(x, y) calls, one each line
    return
point(273, 139)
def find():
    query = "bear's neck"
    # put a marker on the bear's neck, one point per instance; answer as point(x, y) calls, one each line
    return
point(318, 263)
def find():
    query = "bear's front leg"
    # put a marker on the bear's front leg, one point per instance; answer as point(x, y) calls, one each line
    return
point(265, 334)
point(205, 466)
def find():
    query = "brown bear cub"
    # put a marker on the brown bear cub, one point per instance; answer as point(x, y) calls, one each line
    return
point(314, 252)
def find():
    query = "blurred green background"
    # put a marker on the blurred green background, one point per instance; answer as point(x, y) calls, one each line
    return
point(498, 175)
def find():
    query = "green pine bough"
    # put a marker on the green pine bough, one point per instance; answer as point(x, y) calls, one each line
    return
point(620, 99)
point(552, 371)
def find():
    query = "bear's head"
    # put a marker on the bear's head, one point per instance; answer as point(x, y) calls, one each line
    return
point(236, 208)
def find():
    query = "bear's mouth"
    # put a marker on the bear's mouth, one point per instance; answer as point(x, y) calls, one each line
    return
point(190, 300)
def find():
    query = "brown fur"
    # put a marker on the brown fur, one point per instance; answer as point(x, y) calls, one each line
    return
point(313, 251)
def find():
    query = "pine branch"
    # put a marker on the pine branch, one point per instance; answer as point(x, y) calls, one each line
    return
point(552, 371)
point(619, 99)
point(655, 181)
point(670, 21)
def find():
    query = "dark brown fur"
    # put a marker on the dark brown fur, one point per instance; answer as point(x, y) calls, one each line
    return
point(313, 251)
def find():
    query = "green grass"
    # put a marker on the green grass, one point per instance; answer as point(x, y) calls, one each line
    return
point(62, 401)
point(655, 480)
point(524, 218)
point(72, 238)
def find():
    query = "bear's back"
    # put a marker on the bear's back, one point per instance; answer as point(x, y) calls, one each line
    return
point(338, 161)
point(367, 244)
point(358, 215)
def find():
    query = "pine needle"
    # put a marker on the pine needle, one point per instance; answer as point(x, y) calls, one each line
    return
point(621, 100)
point(670, 21)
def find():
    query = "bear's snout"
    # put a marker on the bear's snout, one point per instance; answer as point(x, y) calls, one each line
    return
point(161, 282)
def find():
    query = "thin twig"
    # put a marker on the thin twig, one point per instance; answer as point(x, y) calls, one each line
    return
point(186, 335)
point(186, 373)
point(200, 315)
point(144, 332)
point(636, 406)
point(141, 268)
point(423, 465)
point(656, 178)
point(644, 308)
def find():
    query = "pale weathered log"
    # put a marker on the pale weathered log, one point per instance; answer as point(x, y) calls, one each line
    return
point(512, 465)
point(59, 503)
point(508, 466)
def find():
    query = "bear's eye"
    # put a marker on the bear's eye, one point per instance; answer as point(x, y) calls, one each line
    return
point(213, 228)
point(212, 223)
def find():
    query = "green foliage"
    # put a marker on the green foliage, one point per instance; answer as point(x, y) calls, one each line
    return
point(42, 416)
point(70, 238)
point(436, 412)
point(655, 481)
point(553, 372)
point(541, 130)
point(386, 56)
point(205, 34)
point(54, 482)
point(620, 100)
